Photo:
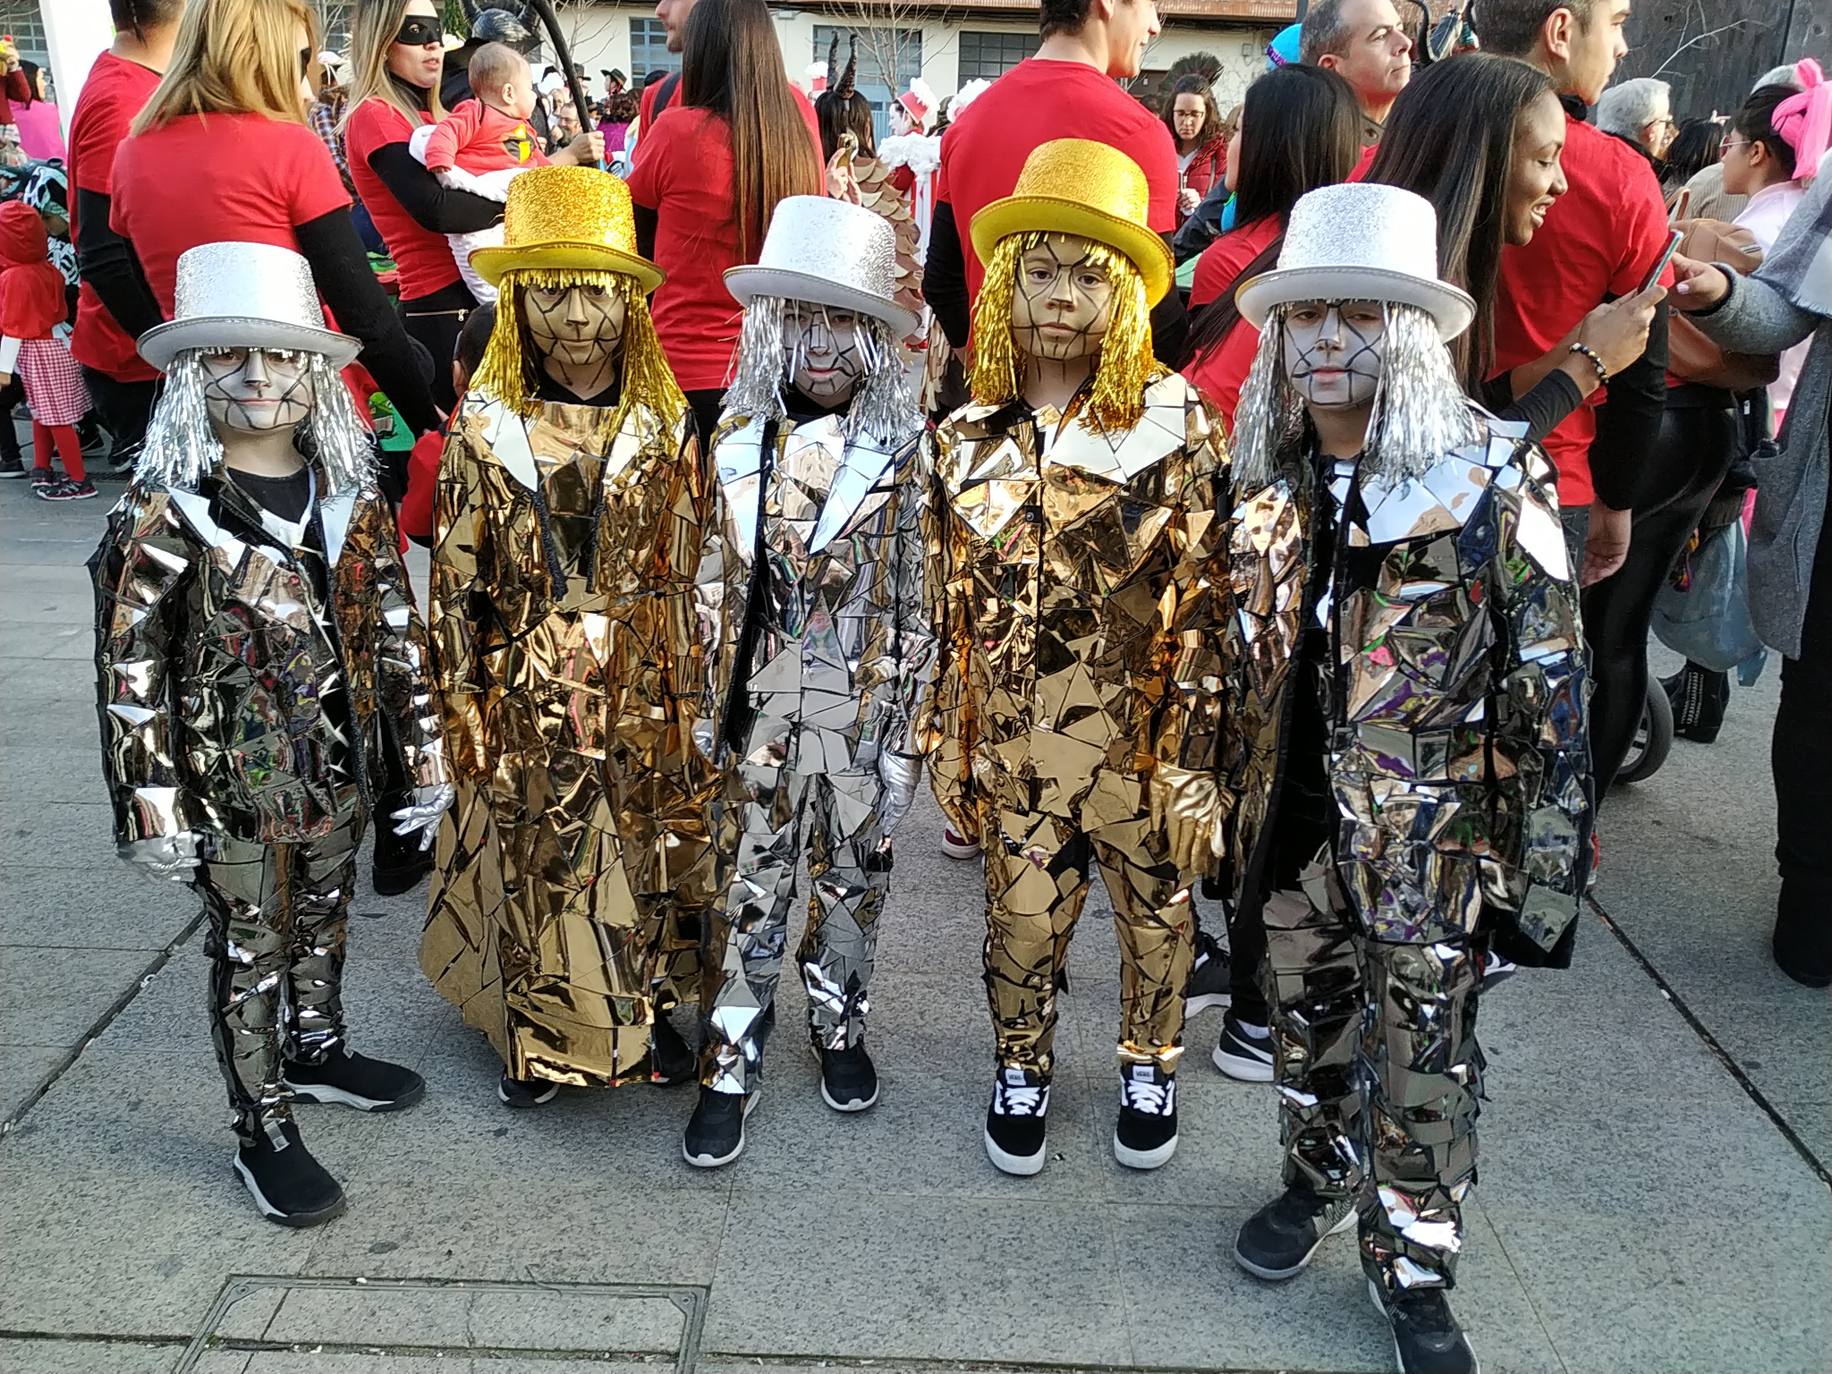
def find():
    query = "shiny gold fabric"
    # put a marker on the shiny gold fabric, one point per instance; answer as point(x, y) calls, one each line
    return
point(566, 651)
point(1081, 596)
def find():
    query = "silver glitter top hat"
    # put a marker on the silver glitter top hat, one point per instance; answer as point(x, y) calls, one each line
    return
point(1360, 242)
point(245, 295)
point(829, 252)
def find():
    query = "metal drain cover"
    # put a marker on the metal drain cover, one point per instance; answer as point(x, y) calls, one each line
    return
point(321, 1325)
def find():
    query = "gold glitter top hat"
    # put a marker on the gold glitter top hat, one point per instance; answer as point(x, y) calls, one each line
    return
point(1076, 186)
point(575, 219)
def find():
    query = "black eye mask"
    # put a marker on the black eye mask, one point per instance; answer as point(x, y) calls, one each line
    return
point(416, 31)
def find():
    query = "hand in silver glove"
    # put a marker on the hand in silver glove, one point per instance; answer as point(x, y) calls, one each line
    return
point(1192, 809)
point(898, 773)
point(173, 857)
point(423, 813)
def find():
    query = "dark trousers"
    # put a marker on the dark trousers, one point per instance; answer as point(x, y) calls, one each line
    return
point(123, 408)
point(12, 394)
point(1696, 447)
point(1802, 761)
point(706, 406)
point(435, 321)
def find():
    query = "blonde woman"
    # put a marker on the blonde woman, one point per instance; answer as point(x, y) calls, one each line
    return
point(222, 153)
point(396, 59)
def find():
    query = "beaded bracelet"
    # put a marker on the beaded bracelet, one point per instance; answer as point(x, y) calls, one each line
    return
point(1595, 358)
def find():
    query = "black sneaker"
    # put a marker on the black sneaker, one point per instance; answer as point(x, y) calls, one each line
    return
point(1426, 1336)
point(75, 491)
point(41, 478)
point(1016, 1121)
point(1208, 985)
point(849, 1080)
point(61, 490)
point(11, 465)
point(673, 1059)
point(288, 1185)
point(536, 1092)
point(1699, 699)
point(715, 1133)
point(1241, 1056)
point(1145, 1136)
point(400, 863)
point(355, 1080)
point(1277, 1241)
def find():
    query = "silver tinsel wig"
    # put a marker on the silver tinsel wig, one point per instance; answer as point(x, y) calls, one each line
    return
point(883, 406)
point(1420, 411)
point(182, 447)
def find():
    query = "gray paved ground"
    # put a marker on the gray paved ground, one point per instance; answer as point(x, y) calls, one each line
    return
point(1640, 1207)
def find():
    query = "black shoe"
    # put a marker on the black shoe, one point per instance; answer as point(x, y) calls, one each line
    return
point(536, 1092)
point(715, 1133)
point(1016, 1122)
point(42, 478)
point(400, 863)
point(849, 1080)
point(1145, 1136)
point(288, 1185)
point(1209, 977)
point(1426, 1337)
point(1247, 1058)
point(65, 490)
point(673, 1058)
point(1802, 946)
point(1277, 1241)
point(11, 465)
point(1699, 698)
point(355, 1080)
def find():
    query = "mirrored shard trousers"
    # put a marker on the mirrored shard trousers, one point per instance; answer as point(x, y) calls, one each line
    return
point(760, 830)
point(278, 915)
point(1379, 1077)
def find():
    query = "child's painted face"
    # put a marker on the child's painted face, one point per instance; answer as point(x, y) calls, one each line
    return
point(822, 345)
point(577, 326)
point(1062, 307)
point(1335, 351)
point(257, 390)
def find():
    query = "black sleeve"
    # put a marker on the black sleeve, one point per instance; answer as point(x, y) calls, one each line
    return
point(433, 206)
point(1544, 408)
point(107, 262)
point(1628, 423)
point(944, 277)
point(646, 220)
point(340, 265)
point(1203, 226)
point(1170, 330)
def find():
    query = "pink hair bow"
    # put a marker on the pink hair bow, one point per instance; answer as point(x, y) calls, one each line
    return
point(1804, 120)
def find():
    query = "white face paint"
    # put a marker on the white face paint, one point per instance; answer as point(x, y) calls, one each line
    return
point(1062, 306)
point(1334, 351)
point(257, 390)
point(821, 343)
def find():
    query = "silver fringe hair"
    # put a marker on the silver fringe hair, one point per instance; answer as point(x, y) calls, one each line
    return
point(182, 448)
point(882, 407)
point(1420, 412)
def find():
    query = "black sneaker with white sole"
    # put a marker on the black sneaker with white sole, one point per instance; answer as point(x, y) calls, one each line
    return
point(1145, 1136)
point(287, 1184)
point(1209, 977)
point(715, 1133)
point(673, 1058)
point(1242, 1055)
point(355, 1080)
point(68, 490)
point(849, 1080)
point(536, 1092)
point(11, 465)
point(1277, 1241)
point(1427, 1338)
point(1016, 1122)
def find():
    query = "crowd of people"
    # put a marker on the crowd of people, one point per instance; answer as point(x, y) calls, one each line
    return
point(1272, 508)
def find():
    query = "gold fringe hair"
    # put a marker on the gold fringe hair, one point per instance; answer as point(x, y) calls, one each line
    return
point(509, 369)
point(1125, 366)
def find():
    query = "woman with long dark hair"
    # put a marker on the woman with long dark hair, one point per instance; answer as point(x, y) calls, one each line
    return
point(1694, 148)
point(1299, 129)
point(1202, 143)
point(707, 179)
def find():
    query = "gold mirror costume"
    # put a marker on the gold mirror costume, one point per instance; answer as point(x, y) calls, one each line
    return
point(566, 653)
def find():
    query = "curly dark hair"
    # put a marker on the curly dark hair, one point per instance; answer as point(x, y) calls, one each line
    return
point(1211, 113)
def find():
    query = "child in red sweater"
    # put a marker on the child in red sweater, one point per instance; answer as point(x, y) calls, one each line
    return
point(32, 307)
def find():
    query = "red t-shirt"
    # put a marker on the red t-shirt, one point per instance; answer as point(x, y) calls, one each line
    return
point(1220, 373)
point(415, 516)
point(257, 178)
point(115, 92)
point(684, 173)
point(1599, 239)
point(1033, 103)
point(422, 255)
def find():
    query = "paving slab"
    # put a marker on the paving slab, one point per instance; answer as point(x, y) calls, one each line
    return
point(54, 996)
point(86, 1357)
point(23, 1069)
point(91, 906)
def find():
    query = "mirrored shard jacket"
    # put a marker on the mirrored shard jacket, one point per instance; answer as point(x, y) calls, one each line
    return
point(1442, 618)
point(243, 675)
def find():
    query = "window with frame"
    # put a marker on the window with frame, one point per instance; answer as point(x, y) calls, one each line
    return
point(649, 51)
point(334, 23)
point(22, 19)
point(989, 54)
point(889, 59)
